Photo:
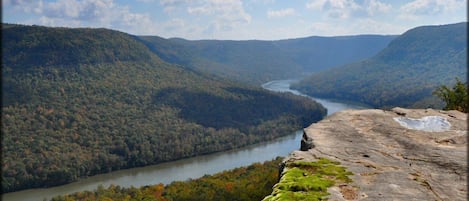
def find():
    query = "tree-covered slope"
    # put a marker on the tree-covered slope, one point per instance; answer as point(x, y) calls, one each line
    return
point(79, 102)
point(256, 61)
point(315, 53)
point(28, 46)
point(403, 74)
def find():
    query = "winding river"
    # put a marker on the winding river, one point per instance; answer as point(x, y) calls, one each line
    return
point(186, 168)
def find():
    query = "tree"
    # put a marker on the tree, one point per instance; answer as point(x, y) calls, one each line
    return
point(455, 97)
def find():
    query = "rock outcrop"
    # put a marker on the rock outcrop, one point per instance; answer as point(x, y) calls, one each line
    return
point(389, 160)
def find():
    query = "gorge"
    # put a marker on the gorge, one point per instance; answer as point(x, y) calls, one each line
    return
point(186, 168)
point(114, 103)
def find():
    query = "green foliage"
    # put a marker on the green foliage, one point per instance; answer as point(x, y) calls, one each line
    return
point(456, 98)
point(403, 74)
point(63, 120)
point(257, 61)
point(308, 180)
point(253, 182)
point(31, 46)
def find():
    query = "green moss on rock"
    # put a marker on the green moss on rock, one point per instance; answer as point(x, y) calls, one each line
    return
point(304, 180)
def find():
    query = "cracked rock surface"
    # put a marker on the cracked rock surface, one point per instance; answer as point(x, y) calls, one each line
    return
point(389, 161)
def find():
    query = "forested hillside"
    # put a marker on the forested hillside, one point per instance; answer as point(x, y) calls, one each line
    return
point(253, 182)
point(258, 61)
point(79, 102)
point(403, 74)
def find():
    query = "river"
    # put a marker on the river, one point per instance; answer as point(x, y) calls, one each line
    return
point(186, 168)
point(332, 106)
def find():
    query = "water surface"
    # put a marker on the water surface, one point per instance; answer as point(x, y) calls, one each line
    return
point(332, 106)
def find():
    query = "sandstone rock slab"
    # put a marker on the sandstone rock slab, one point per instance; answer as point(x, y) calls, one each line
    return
point(388, 160)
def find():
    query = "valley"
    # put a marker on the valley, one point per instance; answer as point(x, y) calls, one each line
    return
point(259, 61)
point(87, 107)
point(193, 167)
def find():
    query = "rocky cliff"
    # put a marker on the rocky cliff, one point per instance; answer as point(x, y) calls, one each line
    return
point(402, 154)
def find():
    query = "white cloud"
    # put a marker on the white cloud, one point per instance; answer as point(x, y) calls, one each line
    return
point(74, 9)
point(227, 9)
point(430, 7)
point(374, 6)
point(237, 19)
point(204, 10)
point(231, 10)
point(316, 4)
point(417, 9)
point(341, 9)
point(208, 16)
point(280, 13)
point(263, 1)
point(201, 19)
point(344, 9)
point(173, 2)
point(88, 11)
point(80, 13)
point(26, 6)
point(16, 2)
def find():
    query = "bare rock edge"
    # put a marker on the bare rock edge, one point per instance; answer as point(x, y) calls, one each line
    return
point(389, 161)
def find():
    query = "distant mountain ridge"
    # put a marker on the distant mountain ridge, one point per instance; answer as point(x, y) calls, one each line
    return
point(257, 61)
point(403, 74)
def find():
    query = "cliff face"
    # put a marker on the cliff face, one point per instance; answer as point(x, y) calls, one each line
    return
point(402, 154)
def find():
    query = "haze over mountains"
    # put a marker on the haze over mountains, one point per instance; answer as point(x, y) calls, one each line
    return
point(257, 61)
point(403, 74)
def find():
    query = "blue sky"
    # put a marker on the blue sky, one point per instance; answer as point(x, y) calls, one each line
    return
point(238, 19)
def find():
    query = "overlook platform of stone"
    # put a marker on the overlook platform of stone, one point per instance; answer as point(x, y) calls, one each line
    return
point(390, 161)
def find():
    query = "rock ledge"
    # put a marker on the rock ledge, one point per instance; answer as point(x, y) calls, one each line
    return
point(389, 161)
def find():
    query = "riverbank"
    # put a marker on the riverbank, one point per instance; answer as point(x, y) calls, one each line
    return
point(168, 172)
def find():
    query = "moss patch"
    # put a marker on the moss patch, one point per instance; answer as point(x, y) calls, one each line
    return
point(308, 180)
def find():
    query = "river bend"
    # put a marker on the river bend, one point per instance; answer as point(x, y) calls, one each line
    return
point(186, 168)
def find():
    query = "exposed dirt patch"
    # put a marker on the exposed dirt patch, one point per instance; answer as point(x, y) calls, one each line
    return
point(348, 192)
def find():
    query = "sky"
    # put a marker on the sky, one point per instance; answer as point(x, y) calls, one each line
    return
point(238, 19)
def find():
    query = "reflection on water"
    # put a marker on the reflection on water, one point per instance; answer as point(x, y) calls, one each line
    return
point(186, 168)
